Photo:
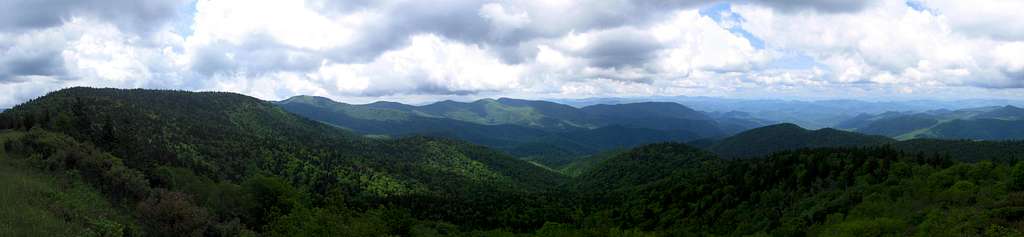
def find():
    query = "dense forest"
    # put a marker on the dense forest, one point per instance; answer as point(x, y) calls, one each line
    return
point(112, 162)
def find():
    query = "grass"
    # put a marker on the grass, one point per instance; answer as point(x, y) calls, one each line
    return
point(33, 203)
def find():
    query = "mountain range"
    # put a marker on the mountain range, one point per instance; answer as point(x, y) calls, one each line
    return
point(983, 123)
point(806, 113)
point(539, 130)
point(116, 162)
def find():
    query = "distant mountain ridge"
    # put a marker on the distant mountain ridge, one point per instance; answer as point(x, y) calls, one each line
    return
point(806, 113)
point(525, 128)
point(765, 140)
point(983, 123)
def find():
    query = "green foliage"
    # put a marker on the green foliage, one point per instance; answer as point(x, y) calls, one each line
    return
point(240, 164)
point(37, 203)
point(173, 214)
point(1017, 177)
point(221, 164)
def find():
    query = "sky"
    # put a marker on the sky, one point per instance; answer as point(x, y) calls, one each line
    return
point(416, 51)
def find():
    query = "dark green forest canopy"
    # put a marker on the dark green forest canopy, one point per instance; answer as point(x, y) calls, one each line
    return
point(222, 164)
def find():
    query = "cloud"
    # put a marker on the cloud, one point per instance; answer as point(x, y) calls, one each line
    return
point(428, 65)
point(130, 15)
point(829, 6)
point(998, 19)
point(889, 43)
point(529, 48)
point(620, 47)
point(35, 55)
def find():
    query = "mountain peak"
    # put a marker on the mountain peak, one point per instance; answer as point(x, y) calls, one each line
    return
point(656, 109)
point(788, 136)
point(390, 105)
point(310, 100)
point(786, 126)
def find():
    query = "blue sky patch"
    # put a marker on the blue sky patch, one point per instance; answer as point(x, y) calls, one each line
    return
point(722, 12)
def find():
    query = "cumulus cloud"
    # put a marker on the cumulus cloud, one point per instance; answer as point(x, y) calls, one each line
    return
point(890, 43)
point(528, 48)
point(999, 19)
point(138, 16)
point(830, 6)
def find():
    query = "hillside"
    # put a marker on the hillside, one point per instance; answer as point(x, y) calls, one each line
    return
point(807, 192)
point(224, 139)
point(978, 129)
point(642, 165)
point(894, 127)
point(964, 150)
point(780, 137)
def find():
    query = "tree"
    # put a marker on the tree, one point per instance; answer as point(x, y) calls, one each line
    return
point(170, 213)
point(1017, 177)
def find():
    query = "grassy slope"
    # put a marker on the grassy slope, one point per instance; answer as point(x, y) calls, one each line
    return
point(36, 204)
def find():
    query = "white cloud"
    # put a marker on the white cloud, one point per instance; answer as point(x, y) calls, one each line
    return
point(1000, 19)
point(429, 64)
point(530, 48)
point(889, 43)
point(288, 22)
point(83, 52)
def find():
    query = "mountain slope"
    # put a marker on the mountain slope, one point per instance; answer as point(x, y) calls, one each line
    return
point(896, 126)
point(642, 165)
point(231, 138)
point(978, 129)
point(216, 126)
point(983, 123)
point(964, 150)
point(786, 136)
point(1008, 112)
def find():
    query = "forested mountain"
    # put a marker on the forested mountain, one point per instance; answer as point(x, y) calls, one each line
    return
point(657, 115)
point(984, 123)
point(548, 133)
point(807, 192)
point(112, 162)
point(224, 142)
point(787, 136)
point(782, 137)
point(541, 115)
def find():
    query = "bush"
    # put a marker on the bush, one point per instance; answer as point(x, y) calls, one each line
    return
point(170, 213)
